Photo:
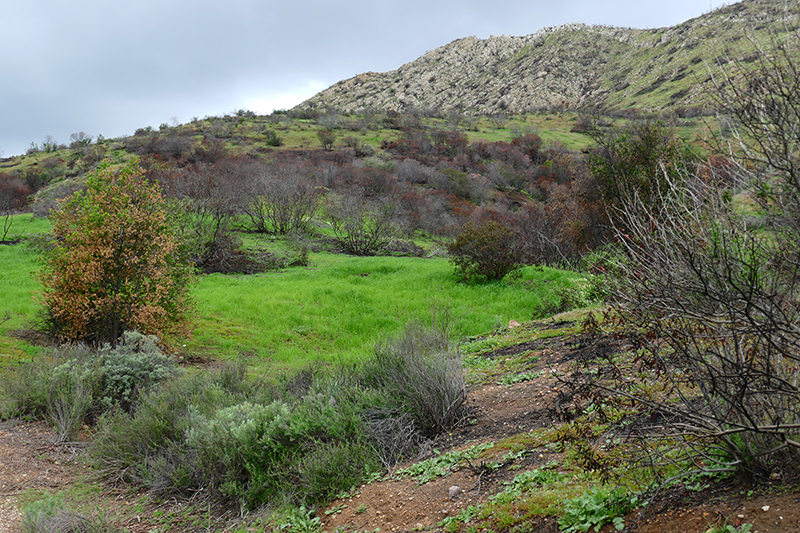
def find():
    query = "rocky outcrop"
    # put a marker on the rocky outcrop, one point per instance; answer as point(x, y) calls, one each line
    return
point(572, 65)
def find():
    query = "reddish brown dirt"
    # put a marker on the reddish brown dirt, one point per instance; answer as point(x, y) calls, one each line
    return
point(28, 460)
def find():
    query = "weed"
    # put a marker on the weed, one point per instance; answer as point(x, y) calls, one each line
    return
point(596, 508)
point(521, 377)
point(300, 520)
point(337, 509)
point(728, 528)
point(442, 465)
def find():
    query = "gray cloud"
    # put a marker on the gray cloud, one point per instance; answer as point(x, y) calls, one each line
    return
point(111, 67)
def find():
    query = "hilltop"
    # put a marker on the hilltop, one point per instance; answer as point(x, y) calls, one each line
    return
point(569, 66)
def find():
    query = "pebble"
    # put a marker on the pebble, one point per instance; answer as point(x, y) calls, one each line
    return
point(454, 491)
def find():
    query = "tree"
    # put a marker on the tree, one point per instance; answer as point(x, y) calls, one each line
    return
point(326, 139)
point(113, 265)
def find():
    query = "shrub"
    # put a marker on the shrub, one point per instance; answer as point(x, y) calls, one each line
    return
point(393, 433)
point(361, 226)
point(25, 387)
point(70, 396)
point(641, 159)
point(73, 385)
point(114, 263)
point(484, 252)
point(238, 441)
point(282, 200)
point(718, 300)
point(51, 514)
point(420, 373)
point(135, 364)
point(272, 138)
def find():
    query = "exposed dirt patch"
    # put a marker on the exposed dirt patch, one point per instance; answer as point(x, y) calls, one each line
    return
point(29, 460)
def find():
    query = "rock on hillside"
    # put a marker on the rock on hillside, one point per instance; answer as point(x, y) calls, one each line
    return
point(572, 65)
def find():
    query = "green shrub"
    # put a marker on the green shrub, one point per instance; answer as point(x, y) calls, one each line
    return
point(60, 386)
point(484, 252)
point(146, 447)
point(136, 363)
point(242, 443)
point(326, 138)
point(336, 466)
point(74, 384)
point(71, 395)
point(272, 138)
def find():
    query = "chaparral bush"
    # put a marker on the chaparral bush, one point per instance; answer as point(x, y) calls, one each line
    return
point(487, 251)
point(114, 263)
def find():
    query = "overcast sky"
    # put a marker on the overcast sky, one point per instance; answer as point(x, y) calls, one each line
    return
point(109, 67)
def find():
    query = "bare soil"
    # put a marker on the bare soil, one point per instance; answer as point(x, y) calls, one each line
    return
point(29, 460)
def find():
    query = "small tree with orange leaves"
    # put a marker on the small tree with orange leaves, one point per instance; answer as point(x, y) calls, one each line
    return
point(114, 265)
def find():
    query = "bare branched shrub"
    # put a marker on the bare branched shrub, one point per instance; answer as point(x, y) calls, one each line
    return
point(204, 199)
point(14, 194)
point(394, 434)
point(720, 305)
point(361, 225)
point(282, 199)
point(708, 286)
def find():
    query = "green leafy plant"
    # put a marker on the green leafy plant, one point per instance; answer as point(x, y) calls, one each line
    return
point(519, 378)
point(442, 465)
point(301, 520)
point(596, 508)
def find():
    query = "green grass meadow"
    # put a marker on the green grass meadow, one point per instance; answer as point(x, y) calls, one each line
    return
point(18, 288)
point(340, 305)
point(333, 310)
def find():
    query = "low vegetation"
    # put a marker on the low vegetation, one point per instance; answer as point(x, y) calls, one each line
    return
point(302, 282)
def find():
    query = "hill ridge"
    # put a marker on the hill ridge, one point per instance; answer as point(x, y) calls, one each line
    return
point(570, 65)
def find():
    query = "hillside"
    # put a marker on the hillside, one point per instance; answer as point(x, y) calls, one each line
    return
point(572, 66)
